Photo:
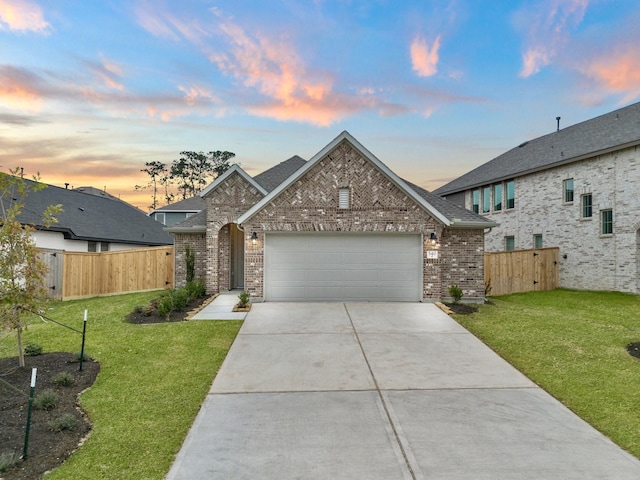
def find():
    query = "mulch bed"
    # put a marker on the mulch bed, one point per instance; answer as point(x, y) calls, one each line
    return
point(634, 349)
point(46, 449)
point(175, 316)
point(462, 308)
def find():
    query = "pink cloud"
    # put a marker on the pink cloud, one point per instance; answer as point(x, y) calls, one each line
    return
point(617, 71)
point(22, 16)
point(20, 89)
point(423, 58)
point(547, 30)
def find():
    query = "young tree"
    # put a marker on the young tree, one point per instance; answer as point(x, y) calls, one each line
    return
point(194, 170)
point(22, 272)
point(159, 176)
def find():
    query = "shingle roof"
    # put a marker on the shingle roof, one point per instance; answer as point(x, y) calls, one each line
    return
point(193, 204)
point(608, 132)
point(271, 178)
point(93, 218)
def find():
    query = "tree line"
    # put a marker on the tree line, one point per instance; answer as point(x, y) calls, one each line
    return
point(185, 177)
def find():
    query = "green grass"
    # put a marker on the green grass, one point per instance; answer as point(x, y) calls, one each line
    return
point(152, 381)
point(572, 344)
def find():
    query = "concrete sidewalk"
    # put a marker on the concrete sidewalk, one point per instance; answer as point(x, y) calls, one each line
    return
point(382, 391)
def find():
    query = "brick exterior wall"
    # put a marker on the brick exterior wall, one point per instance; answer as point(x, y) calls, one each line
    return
point(376, 205)
point(225, 204)
point(593, 261)
point(198, 243)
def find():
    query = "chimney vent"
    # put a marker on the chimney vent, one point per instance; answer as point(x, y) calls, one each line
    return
point(558, 120)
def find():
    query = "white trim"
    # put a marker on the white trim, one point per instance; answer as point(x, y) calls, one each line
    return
point(227, 174)
point(369, 156)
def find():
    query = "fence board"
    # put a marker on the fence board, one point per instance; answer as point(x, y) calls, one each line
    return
point(521, 271)
point(92, 274)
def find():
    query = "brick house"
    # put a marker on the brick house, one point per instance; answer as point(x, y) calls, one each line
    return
point(341, 226)
point(578, 189)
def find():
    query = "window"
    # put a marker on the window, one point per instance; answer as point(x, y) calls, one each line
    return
point(104, 246)
point(92, 247)
point(511, 193)
point(568, 190)
point(537, 240)
point(586, 206)
point(160, 217)
point(497, 197)
point(606, 222)
point(509, 243)
point(343, 198)
point(476, 201)
point(486, 199)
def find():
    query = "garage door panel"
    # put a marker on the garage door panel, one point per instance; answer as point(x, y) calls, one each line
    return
point(370, 267)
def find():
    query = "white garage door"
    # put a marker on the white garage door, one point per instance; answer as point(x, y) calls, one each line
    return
point(368, 267)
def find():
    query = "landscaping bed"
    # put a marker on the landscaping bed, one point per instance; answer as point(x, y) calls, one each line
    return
point(46, 448)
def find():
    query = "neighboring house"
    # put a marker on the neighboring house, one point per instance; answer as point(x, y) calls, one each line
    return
point(177, 212)
point(341, 226)
point(90, 223)
point(577, 189)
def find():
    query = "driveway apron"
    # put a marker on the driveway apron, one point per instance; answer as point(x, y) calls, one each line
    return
point(382, 391)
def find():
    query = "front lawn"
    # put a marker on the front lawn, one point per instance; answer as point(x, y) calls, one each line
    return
point(572, 344)
point(152, 381)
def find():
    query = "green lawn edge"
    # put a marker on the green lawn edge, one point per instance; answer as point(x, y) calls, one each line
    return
point(573, 345)
point(152, 382)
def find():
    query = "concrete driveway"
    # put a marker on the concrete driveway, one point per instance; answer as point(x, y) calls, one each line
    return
point(382, 391)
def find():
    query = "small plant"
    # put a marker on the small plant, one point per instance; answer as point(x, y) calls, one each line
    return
point(8, 460)
point(66, 421)
point(64, 379)
point(190, 259)
point(45, 400)
point(146, 310)
point(78, 355)
point(32, 349)
point(456, 293)
point(196, 289)
point(244, 299)
point(165, 305)
point(180, 299)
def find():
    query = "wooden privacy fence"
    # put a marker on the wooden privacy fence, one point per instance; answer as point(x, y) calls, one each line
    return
point(521, 271)
point(83, 274)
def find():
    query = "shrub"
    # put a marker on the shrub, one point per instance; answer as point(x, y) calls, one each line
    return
point(64, 379)
point(8, 460)
point(244, 299)
point(165, 305)
point(77, 355)
point(32, 349)
point(180, 299)
point(196, 289)
point(45, 400)
point(66, 421)
point(146, 310)
point(190, 259)
point(456, 293)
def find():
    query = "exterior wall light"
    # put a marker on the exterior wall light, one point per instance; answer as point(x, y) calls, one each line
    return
point(254, 237)
point(433, 238)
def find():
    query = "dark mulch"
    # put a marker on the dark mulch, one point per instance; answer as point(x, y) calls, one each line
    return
point(634, 349)
point(462, 308)
point(46, 449)
point(151, 315)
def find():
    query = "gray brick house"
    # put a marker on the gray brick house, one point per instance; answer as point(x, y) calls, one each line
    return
point(578, 189)
point(341, 226)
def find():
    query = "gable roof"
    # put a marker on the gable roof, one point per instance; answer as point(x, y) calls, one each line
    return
point(606, 133)
point(274, 176)
point(234, 169)
point(93, 218)
point(193, 204)
point(423, 200)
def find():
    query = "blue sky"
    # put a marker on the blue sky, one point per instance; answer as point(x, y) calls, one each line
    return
point(90, 91)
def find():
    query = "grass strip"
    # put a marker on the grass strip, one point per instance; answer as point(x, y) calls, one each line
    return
point(572, 344)
point(152, 382)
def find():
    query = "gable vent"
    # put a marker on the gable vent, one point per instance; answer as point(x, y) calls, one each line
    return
point(343, 198)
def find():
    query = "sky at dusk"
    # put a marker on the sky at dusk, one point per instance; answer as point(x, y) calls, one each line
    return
point(91, 90)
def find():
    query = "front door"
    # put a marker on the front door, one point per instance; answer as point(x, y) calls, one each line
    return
point(237, 257)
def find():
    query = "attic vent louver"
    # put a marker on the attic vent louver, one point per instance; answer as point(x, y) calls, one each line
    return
point(81, 209)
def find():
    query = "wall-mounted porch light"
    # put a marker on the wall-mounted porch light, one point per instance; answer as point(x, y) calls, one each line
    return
point(254, 237)
point(433, 238)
